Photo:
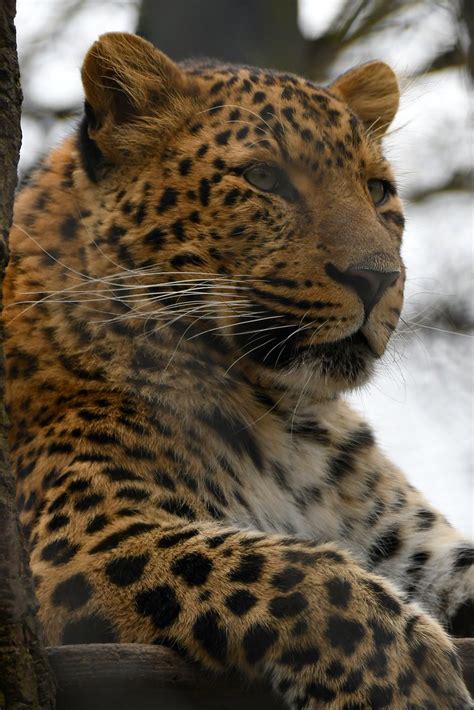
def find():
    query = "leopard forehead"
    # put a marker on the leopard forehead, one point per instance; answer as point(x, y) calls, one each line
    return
point(243, 114)
point(268, 112)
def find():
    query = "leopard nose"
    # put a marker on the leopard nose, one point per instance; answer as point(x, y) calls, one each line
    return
point(369, 284)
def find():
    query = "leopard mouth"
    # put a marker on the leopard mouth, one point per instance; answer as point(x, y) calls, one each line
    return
point(346, 363)
point(358, 339)
point(284, 346)
point(352, 346)
point(361, 340)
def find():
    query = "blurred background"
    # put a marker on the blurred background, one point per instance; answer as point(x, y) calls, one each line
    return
point(421, 401)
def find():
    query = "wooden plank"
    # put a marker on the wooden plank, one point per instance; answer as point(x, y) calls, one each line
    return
point(139, 677)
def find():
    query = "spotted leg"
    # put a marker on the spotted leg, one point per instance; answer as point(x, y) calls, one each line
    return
point(307, 616)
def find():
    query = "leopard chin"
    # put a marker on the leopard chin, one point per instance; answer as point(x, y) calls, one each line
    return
point(348, 362)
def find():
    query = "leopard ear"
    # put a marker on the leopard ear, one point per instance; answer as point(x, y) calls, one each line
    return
point(126, 79)
point(371, 90)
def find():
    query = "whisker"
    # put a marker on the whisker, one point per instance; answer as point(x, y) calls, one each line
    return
point(229, 325)
point(441, 330)
point(51, 256)
point(166, 312)
point(242, 108)
point(298, 402)
point(247, 352)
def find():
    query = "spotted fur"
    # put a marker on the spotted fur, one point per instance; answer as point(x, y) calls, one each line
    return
point(178, 339)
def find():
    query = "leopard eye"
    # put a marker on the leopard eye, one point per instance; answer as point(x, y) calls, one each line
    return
point(263, 177)
point(379, 191)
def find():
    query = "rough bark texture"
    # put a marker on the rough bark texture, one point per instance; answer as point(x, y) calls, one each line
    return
point(25, 680)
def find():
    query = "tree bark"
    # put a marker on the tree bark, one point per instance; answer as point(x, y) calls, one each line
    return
point(25, 679)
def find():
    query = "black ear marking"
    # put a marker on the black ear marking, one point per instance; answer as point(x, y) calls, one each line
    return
point(462, 623)
point(92, 158)
point(92, 119)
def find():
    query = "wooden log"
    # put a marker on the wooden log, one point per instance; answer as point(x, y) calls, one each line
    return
point(139, 677)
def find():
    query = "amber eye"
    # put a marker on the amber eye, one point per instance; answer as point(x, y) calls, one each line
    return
point(379, 191)
point(263, 177)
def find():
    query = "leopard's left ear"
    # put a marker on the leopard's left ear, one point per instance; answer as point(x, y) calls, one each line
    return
point(372, 92)
point(133, 93)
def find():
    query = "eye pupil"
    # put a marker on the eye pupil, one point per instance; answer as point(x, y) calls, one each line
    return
point(378, 191)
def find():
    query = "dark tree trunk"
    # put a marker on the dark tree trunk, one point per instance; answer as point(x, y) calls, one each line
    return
point(467, 14)
point(25, 680)
point(256, 32)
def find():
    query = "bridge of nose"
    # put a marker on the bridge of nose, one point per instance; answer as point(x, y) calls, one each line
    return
point(360, 253)
point(353, 236)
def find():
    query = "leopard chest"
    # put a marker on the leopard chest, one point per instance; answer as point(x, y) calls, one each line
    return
point(297, 493)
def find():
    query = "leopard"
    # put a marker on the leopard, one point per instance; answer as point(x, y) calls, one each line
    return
point(198, 274)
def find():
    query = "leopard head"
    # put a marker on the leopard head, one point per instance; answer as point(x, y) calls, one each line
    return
point(252, 204)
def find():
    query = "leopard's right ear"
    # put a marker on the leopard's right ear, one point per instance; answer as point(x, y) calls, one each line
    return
point(128, 82)
point(371, 90)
